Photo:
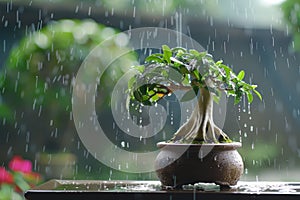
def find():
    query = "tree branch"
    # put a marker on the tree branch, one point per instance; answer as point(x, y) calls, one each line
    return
point(174, 87)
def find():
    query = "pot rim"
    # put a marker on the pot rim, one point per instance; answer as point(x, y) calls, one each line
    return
point(231, 145)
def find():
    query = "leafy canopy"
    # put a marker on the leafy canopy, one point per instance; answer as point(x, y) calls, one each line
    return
point(179, 68)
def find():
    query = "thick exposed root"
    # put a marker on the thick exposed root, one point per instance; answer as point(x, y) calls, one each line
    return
point(200, 128)
point(189, 130)
point(209, 133)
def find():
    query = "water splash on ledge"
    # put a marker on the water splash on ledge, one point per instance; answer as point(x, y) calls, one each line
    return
point(155, 186)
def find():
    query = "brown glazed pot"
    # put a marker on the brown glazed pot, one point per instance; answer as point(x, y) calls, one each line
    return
point(179, 164)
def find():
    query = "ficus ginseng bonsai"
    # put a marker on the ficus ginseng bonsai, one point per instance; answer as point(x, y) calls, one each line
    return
point(200, 75)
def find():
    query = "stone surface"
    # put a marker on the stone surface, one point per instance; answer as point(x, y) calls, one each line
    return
point(90, 190)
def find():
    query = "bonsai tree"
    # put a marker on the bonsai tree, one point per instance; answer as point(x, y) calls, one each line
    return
point(200, 75)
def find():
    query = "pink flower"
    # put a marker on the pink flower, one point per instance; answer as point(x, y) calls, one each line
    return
point(5, 176)
point(20, 165)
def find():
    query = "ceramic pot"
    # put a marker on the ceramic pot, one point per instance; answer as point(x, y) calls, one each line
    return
point(179, 164)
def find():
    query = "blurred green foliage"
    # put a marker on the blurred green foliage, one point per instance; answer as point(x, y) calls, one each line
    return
point(291, 12)
point(261, 155)
point(40, 70)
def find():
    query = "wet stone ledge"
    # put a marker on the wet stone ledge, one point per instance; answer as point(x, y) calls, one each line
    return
point(92, 190)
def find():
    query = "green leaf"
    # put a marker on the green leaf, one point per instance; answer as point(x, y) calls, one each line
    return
point(219, 62)
point(140, 68)
point(258, 94)
point(20, 182)
point(250, 97)
point(145, 98)
point(227, 70)
point(161, 89)
point(167, 53)
point(196, 74)
point(230, 93)
point(184, 70)
point(154, 58)
point(178, 50)
point(148, 94)
point(155, 98)
point(253, 86)
point(151, 92)
point(202, 54)
point(186, 80)
point(241, 75)
point(237, 99)
point(195, 52)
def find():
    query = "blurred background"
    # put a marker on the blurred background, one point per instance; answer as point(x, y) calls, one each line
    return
point(43, 43)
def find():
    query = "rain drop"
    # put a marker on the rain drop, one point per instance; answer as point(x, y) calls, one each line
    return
point(133, 14)
point(89, 11)
point(123, 144)
point(4, 46)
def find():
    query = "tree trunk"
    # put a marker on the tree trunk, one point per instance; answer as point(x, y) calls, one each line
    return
point(200, 128)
